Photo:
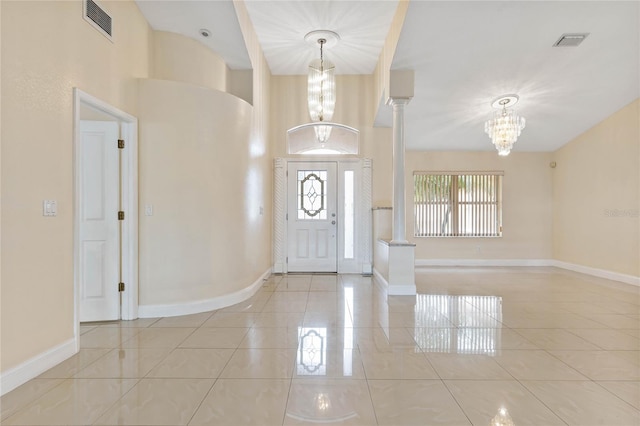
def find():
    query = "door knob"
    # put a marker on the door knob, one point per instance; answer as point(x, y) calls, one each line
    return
point(333, 222)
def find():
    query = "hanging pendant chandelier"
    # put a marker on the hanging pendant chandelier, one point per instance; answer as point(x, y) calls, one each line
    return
point(321, 84)
point(505, 125)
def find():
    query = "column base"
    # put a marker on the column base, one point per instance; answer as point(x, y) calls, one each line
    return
point(396, 267)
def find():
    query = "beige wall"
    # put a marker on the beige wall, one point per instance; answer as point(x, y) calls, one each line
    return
point(205, 168)
point(258, 183)
point(0, 189)
point(47, 49)
point(240, 84)
point(354, 107)
point(596, 187)
point(527, 205)
point(196, 171)
point(180, 58)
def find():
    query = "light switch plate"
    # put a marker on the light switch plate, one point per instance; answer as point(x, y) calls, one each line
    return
point(148, 209)
point(49, 208)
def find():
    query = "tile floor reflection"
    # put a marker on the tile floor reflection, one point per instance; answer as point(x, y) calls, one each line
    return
point(548, 346)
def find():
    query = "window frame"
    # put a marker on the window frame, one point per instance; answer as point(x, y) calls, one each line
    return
point(455, 203)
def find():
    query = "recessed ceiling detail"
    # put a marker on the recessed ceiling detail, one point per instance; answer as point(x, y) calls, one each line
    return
point(281, 27)
point(330, 38)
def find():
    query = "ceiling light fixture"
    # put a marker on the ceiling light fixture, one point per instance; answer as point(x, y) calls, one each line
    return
point(505, 125)
point(321, 83)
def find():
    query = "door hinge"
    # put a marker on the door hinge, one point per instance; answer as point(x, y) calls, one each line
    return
point(120, 215)
point(120, 286)
point(287, 261)
point(120, 143)
point(287, 216)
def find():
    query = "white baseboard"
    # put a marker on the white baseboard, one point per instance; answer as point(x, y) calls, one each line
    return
point(33, 367)
point(482, 262)
point(195, 307)
point(395, 290)
point(601, 273)
point(384, 284)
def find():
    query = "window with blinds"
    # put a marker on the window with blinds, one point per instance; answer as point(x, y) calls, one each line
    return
point(461, 204)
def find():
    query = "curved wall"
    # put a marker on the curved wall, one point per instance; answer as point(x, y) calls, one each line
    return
point(197, 173)
point(180, 58)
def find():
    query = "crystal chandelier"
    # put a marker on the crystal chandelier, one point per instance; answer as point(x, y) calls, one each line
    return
point(321, 84)
point(505, 125)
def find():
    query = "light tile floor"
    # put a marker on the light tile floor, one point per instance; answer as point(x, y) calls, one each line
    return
point(551, 346)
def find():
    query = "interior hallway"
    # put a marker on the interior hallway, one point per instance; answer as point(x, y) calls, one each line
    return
point(550, 346)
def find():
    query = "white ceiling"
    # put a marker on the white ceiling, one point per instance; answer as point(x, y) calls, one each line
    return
point(188, 17)
point(361, 25)
point(464, 55)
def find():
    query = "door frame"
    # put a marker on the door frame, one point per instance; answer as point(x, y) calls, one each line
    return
point(129, 175)
point(362, 264)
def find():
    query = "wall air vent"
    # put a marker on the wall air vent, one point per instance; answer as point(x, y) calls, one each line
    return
point(570, 40)
point(98, 18)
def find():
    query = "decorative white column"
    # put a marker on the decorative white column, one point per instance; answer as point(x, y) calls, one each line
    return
point(399, 229)
point(399, 253)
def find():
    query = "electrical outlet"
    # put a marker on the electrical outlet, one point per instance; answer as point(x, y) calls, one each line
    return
point(49, 208)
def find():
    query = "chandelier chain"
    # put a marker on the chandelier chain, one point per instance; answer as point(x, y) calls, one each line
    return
point(321, 115)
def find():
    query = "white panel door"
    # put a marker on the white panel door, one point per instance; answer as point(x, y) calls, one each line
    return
point(98, 198)
point(312, 217)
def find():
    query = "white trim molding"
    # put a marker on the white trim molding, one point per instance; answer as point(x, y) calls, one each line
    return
point(362, 262)
point(384, 284)
point(366, 218)
point(279, 211)
point(129, 172)
point(482, 262)
point(198, 306)
point(396, 290)
point(600, 273)
point(36, 365)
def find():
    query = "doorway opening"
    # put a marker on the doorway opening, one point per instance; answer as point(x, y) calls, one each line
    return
point(105, 211)
point(322, 215)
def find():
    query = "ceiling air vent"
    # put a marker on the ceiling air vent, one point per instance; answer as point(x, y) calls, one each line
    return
point(98, 18)
point(570, 40)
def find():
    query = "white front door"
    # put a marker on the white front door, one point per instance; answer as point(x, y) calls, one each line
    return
point(312, 217)
point(99, 230)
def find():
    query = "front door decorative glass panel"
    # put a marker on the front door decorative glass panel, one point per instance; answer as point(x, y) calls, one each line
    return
point(312, 194)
